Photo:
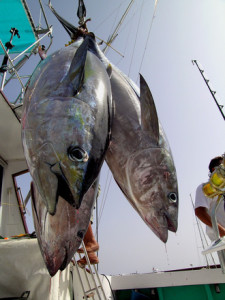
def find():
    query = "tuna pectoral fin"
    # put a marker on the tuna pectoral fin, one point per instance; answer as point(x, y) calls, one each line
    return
point(47, 185)
point(77, 69)
point(149, 117)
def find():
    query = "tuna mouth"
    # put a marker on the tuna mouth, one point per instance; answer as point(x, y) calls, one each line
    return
point(159, 228)
point(171, 224)
point(160, 224)
point(59, 235)
point(57, 264)
point(53, 265)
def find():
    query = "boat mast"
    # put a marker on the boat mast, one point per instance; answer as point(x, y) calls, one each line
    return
point(114, 34)
point(211, 91)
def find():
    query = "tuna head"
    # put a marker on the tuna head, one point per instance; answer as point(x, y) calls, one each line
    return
point(60, 236)
point(58, 157)
point(152, 183)
point(66, 125)
point(151, 173)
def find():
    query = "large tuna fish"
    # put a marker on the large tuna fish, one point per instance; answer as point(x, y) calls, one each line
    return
point(66, 132)
point(140, 159)
point(66, 124)
point(139, 155)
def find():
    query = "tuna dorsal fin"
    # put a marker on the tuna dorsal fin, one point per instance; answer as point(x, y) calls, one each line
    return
point(149, 118)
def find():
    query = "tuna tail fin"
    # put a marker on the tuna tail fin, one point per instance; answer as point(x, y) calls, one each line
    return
point(70, 29)
point(149, 117)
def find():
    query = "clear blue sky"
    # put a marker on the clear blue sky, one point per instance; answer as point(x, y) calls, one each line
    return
point(181, 31)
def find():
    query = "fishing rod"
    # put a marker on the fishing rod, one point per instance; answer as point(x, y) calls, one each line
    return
point(211, 91)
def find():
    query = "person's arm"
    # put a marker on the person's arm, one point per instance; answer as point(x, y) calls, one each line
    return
point(202, 214)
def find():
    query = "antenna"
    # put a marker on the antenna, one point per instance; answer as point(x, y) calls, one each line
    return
point(211, 91)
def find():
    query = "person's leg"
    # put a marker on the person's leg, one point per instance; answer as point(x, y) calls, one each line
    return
point(93, 258)
point(89, 241)
point(91, 246)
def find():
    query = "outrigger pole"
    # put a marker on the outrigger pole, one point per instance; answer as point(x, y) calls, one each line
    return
point(114, 34)
point(211, 91)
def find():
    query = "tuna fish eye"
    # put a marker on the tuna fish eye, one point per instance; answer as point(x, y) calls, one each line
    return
point(172, 197)
point(77, 154)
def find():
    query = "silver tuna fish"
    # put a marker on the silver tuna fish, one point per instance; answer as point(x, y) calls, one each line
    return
point(66, 131)
point(66, 124)
point(140, 159)
point(139, 155)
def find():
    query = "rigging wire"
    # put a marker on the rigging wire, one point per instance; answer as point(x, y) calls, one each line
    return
point(103, 197)
point(135, 40)
point(107, 17)
point(150, 29)
point(116, 16)
point(127, 40)
point(127, 37)
point(105, 194)
point(115, 32)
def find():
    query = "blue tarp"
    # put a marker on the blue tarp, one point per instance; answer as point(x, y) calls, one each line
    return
point(14, 15)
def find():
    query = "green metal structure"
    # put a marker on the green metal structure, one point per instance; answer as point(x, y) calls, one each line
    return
point(186, 292)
